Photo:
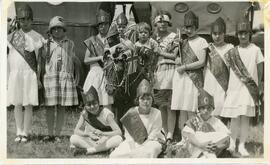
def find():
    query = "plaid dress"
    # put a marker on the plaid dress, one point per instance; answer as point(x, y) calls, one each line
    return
point(59, 85)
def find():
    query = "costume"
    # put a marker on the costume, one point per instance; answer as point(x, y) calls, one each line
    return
point(211, 130)
point(217, 75)
point(95, 47)
point(235, 105)
point(151, 147)
point(59, 85)
point(22, 67)
point(185, 89)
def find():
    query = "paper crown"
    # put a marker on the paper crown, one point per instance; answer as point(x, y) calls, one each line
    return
point(205, 98)
point(121, 19)
point(191, 19)
point(103, 16)
point(24, 11)
point(243, 25)
point(57, 21)
point(90, 95)
point(163, 16)
point(144, 88)
point(218, 26)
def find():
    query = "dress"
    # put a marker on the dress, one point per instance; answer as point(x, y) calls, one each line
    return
point(151, 148)
point(185, 94)
point(235, 105)
point(95, 76)
point(211, 84)
point(211, 130)
point(59, 85)
point(22, 80)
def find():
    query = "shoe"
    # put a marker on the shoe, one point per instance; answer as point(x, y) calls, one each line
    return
point(79, 151)
point(18, 139)
point(243, 151)
point(57, 139)
point(24, 139)
point(48, 138)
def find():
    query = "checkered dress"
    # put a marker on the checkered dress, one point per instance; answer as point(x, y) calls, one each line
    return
point(59, 85)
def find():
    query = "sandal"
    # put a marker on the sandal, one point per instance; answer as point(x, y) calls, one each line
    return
point(24, 139)
point(57, 139)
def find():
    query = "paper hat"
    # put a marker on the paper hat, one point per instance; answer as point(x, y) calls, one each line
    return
point(103, 16)
point(90, 95)
point(144, 88)
point(57, 21)
point(205, 98)
point(24, 11)
point(191, 19)
point(218, 26)
point(121, 19)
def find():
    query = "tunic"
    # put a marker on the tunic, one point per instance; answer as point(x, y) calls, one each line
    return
point(239, 101)
point(185, 94)
point(211, 84)
point(22, 80)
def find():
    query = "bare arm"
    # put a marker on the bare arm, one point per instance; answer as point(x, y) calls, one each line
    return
point(115, 128)
point(90, 60)
point(77, 129)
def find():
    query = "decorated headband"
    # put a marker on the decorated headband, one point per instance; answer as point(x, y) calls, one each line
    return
point(162, 17)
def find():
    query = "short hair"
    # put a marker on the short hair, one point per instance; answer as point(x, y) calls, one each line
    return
point(144, 25)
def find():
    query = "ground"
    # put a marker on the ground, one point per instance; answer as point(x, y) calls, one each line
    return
point(38, 149)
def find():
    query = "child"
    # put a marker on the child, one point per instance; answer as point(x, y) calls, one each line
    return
point(188, 77)
point(217, 73)
point(165, 72)
point(205, 135)
point(24, 45)
point(60, 88)
point(142, 125)
point(94, 57)
point(101, 132)
point(245, 62)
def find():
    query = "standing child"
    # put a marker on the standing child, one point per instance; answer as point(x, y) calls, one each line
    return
point(101, 132)
point(24, 45)
point(217, 73)
point(60, 88)
point(205, 135)
point(188, 77)
point(242, 99)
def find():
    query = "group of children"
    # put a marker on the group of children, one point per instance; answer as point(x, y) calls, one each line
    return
point(197, 78)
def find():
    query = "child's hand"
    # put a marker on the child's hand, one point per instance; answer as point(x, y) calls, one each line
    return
point(98, 132)
point(180, 69)
point(102, 140)
point(93, 136)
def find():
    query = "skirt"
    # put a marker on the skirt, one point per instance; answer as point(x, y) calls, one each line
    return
point(60, 89)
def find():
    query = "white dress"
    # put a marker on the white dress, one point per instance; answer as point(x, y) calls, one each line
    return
point(211, 84)
point(151, 148)
point(239, 101)
point(96, 78)
point(22, 80)
point(184, 93)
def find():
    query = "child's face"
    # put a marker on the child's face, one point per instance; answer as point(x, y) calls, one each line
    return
point(218, 37)
point(145, 103)
point(103, 28)
point(25, 24)
point(162, 26)
point(243, 37)
point(58, 33)
point(121, 29)
point(92, 107)
point(190, 31)
point(205, 112)
point(143, 35)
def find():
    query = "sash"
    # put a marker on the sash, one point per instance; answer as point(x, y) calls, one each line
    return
point(238, 67)
point(188, 57)
point(18, 42)
point(95, 46)
point(134, 125)
point(93, 121)
point(218, 67)
point(197, 124)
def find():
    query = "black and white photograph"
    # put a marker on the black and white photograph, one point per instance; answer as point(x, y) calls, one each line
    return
point(135, 79)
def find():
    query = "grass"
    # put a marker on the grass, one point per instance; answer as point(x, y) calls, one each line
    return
point(38, 149)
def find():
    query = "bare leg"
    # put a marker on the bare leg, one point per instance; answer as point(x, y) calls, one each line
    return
point(110, 143)
point(50, 116)
point(60, 119)
point(183, 117)
point(28, 115)
point(18, 114)
point(164, 117)
point(244, 128)
point(235, 122)
point(171, 122)
point(81, 142)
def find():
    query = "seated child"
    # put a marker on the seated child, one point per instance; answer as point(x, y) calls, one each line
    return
point(205, 135)
point(101, 132)
point(142, 124)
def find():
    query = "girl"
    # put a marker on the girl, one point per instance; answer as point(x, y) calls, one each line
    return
point(165, 71)
point(101, 132)
point(246, 68)
point(94, 57)
point(60, 88)
point(142, 126)
point(24, 45)
point(217, 73)
point(188, 77)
